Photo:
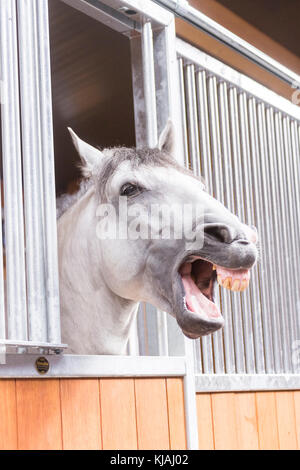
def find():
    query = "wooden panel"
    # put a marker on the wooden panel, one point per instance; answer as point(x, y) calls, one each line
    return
point(39, 414)
point(248, 32)
point(286, 420)
point(152, 414)
point(8, 415)
point(118, 414)
point(267, 421)
point(297, 415)
point(176, 413)
point(224, 421)
point(246, 421)
point(205, 423)
point(80, 406)
point(251, 34)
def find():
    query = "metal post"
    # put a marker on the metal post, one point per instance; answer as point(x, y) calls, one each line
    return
point(250, 214)
point(240, 203)
point(12, 175)
point(51, 268)
point(149, 84)
point(32, 172)
point(218, 192)
point(192, 120)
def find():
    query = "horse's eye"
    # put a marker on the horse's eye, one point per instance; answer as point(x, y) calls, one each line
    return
point(130, 189)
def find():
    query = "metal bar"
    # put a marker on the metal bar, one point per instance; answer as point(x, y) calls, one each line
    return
point(149, 85)
point(216, 161)
point(261, 216)
point(296, 172)
point(246, 382)
point(51, 268)
point(192, 119)
point(240, 202)
point(286, 224)
point(183, 113)
point(268, 241)
point(281, 272)
point(162, 329)
point(231, 303)
point(270, 229)
point(206, 172)
point(2, 295)
point(218, 68)
point(182, 9)
point(33, 191)
point(190, 398)
point(250, 219)
point(20, 365)
point(12, 173)
point(291, 220)
point(33, 344)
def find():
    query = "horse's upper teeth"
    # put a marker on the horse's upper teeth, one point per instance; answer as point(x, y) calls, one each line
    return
point(238, 285)
point(214, 267)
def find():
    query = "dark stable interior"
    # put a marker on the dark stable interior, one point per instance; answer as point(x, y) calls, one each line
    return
point(91, 87)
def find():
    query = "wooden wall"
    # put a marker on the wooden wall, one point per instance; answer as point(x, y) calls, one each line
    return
point(250, 420)
point(92, 414)
point(140, 414)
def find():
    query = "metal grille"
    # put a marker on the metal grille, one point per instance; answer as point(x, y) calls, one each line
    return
point(29, 297)
point(248, 142)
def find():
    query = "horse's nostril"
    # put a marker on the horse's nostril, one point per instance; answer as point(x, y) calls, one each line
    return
point(220, 232)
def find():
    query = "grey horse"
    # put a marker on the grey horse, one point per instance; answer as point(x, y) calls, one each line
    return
point(105, 272)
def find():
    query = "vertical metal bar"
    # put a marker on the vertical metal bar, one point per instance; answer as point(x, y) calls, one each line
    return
point(286, 227)
point(296, 172)
point(192, 119)
point(12, 173)
point(218, 192)
point(149, 84)
point(202, 100)
point(270, 230)
point(205, 154)
point(281, 271)
point(190, 397)
point(183, 112)
point(34, 224)
point(294, 234)
point(51, 268)
point(231, 303)
point(262, 218)
point(248, 345)
point(250, 219)
point(162, 328)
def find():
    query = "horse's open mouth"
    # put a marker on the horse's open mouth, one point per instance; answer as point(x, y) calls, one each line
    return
point(199, 278)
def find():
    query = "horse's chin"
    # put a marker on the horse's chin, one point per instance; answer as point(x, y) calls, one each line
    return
point(194, 294)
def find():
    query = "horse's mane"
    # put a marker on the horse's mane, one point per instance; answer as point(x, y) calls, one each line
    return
point(146, 156)
point(65, 201)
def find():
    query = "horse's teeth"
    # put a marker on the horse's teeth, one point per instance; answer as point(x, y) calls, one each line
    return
point(236, 285)
point(244, 284)
point(227, 283)
point(214, 267)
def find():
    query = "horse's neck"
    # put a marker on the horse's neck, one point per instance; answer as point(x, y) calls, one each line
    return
point(89, 309)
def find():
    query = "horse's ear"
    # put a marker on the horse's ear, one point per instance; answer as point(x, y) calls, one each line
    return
point(89, 155)
point(166, 141)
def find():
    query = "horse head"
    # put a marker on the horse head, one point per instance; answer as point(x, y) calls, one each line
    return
point(157, 235)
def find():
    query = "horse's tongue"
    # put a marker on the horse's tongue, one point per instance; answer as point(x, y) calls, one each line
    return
point(197, 302)
point(236, 280)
